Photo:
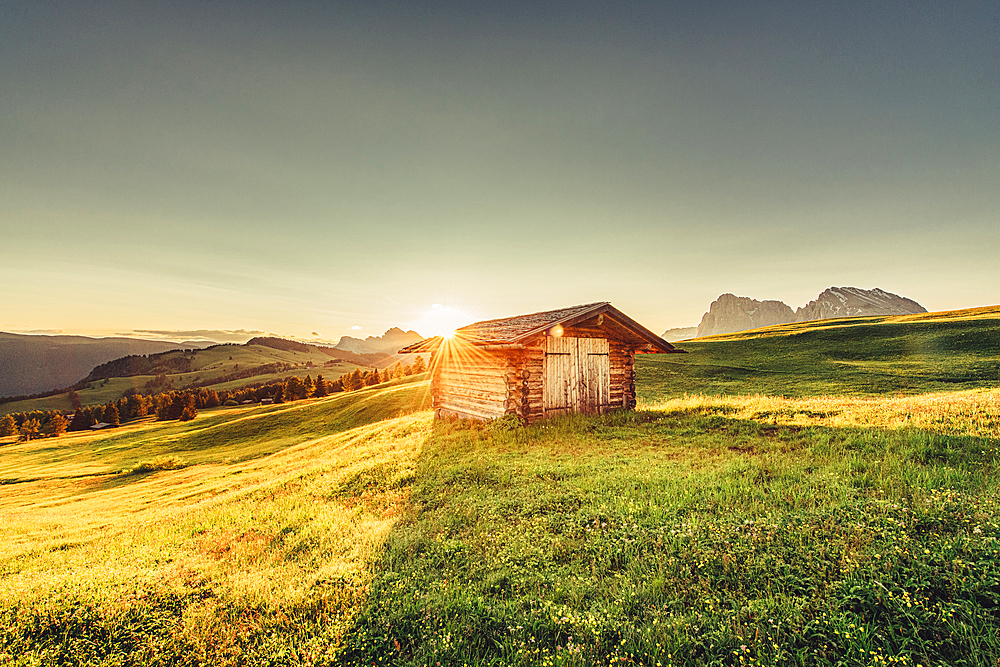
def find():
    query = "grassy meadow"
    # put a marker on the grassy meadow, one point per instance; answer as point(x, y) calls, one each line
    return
point(752, 525)
point(910, 354)
point(245, 532)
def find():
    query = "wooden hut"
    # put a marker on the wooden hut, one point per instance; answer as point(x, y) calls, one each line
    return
point(579, 359)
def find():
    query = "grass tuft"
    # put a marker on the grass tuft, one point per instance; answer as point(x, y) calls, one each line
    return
point(160, 463)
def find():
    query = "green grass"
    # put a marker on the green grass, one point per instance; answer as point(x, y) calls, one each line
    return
point(217, 435)
point(861, 356)
point(675, 537)
point(188, 556)
point(848, 529)
point(686, 534)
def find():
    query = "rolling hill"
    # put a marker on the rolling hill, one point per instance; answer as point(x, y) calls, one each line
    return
point(848, 356)
point(36, 364)
point(219, 367)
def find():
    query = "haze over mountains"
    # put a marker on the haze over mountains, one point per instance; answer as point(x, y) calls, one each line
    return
point(730, 313)
point(392, 340)
point(34, 364)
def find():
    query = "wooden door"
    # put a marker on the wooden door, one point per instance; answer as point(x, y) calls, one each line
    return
point(577, 375)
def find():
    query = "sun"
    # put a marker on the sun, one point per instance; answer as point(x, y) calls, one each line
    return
point(442, 321)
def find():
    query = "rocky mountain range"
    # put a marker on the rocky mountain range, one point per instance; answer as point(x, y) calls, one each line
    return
point(730, 313)
point(388, 343)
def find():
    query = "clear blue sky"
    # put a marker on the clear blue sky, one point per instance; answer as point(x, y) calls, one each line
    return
point(312, 167)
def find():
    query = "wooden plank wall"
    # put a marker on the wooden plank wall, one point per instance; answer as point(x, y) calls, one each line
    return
point(621, 361)
point(576, 375)
point(621, 358)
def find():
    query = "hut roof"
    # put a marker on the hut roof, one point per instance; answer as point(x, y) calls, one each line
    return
point(514, 331)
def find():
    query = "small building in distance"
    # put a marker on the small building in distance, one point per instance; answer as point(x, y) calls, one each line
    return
point(579, 359)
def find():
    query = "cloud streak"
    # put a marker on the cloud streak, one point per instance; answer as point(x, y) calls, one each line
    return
point(50, 332)
point(217, 335)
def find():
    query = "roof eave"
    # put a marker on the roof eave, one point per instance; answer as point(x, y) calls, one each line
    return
point(425, 345)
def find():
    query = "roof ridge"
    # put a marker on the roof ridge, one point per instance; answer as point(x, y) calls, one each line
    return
point(540, 312)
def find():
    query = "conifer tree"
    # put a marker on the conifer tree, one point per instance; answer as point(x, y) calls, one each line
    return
point(137, 406)
point(321, 388)
point(82, 420)
point(162, 407)
point(123, 410)
point(419, 366)
point(77, 422)
point(211, 398)
point(178, 401)
point(356, 380)
point(294, 389)
point(308, 387)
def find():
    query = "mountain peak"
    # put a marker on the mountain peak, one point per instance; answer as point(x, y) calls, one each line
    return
point(730, 313)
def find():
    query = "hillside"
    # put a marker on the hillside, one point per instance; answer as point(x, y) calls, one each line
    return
point(351, 530)
point(218, 367)
point(381, 359)
point(850, 356)
point(36, 364)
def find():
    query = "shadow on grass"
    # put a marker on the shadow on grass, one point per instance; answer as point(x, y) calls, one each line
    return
point(691, 537)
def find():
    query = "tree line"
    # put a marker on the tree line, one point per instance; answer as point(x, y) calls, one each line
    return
point(184, 404)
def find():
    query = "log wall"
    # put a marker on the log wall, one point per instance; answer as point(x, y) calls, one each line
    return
point(469, 384)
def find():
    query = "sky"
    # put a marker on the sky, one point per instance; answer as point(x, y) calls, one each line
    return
point(314, 169)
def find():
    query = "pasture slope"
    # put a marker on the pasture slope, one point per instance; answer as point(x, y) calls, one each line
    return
point(906, 354)
point(812, 527)
point(209, 367)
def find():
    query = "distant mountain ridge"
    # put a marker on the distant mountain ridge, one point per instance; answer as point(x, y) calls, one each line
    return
point(392, 340)
point(35, 364)
point(379, 359)
point(730, 313)
point(856, 302)
point(679, 333)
